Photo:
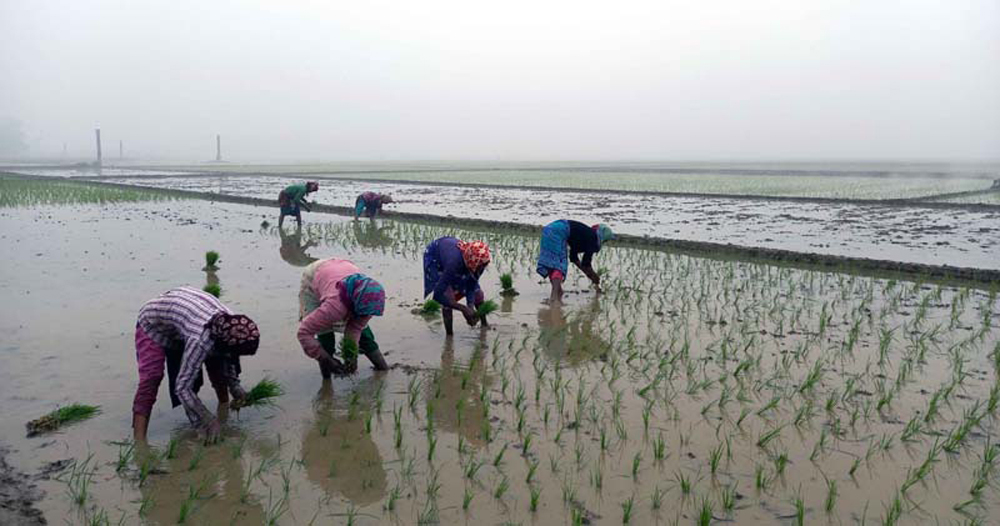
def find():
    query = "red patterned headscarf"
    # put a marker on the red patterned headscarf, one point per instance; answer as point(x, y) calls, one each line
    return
point(476, 254)
point(236, 333)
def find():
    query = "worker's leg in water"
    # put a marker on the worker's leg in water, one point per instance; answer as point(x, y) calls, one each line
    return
point(152, 361)
point(369, 347)
point(556, 278)
point(446, 315)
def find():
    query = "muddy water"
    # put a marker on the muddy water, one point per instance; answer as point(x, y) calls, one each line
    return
point(712, 354)
point(965, 238)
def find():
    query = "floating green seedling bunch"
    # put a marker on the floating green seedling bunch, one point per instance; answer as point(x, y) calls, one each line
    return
point(213, 289)
point(211, 261)
point(262, 394)
point(60, 417)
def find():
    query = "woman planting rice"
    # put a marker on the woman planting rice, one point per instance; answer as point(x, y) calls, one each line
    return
point(293, 197)
point(370, 203)
point(452, 268)
point(335, 296)
point(183, 329)
point(557, 237)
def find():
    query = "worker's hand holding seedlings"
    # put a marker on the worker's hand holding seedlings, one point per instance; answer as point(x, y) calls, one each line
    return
point(562, 242)
point(181, 331)
point(336, 297)
point(452, 269)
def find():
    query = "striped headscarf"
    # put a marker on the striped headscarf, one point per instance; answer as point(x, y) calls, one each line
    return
point(237, 333)
point(603, 232)
point(476, 254)
point(365, 295)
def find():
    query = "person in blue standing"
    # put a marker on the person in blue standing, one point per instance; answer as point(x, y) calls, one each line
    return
point(370, 204)
point(452, 268)
point(563, 241)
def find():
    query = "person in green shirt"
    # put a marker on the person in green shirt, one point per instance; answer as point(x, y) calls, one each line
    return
point(293, 197)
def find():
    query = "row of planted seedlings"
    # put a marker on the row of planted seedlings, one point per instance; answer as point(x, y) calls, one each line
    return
point(693, 390)
point(821, 392)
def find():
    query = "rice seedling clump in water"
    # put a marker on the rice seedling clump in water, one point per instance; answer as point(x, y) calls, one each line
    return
point(213, 289)
point(507, 285)
point(211, 260)
point(62, 416)
point(262, 394)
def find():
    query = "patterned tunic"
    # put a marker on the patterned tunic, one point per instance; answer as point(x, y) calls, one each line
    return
point(179, 319)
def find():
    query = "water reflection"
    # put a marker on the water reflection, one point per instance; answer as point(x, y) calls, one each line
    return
point(455, 391)
point(370, 235)
point(293, 250)
point(573, 338)
point(218, 476)
point(338, 454)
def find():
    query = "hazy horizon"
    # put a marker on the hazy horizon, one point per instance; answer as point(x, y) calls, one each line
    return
point(523, 82)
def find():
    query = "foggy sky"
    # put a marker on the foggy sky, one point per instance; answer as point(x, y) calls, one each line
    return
point(376, 80)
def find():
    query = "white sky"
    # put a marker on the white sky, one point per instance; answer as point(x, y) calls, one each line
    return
point(429, 79)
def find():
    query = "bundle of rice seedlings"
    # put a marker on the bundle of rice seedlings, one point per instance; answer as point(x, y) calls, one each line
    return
point(211, 258)
point(507, 285)
point(430, 307)
point(213, 289)
point(262, 394)
point(62, 416)
point(349, 350)
point(487, 307)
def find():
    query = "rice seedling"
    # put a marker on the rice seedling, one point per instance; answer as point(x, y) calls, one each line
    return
point(683, 482)
point(395, 493)
point(501, 488)
point(705, 512)
point(714, 457)
point(260, 395)
point(627, 509)
point(831, 495)
point(727, 498)
point(800, 510)
point(211, 261)
point(213, 289)
point(766, 437)
point(507, 285)
point(656, 499)
point(60, 417)
point(535, 494)
point(467, 499)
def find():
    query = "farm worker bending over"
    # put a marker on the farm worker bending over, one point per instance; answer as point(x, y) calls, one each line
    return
point(336, 296)
point(452, 268)
point(370, 203)
point(293, 197)
point(557, 237)
point(182, 329)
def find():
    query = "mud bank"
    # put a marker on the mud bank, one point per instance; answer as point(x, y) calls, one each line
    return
point(698, 248)
point(18, 496)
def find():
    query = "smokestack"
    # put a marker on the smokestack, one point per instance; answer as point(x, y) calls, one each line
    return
point(121, 149)
point(97, 132)
point(218, 147)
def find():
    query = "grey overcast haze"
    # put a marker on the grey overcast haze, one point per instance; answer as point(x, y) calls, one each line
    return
point(538, 80)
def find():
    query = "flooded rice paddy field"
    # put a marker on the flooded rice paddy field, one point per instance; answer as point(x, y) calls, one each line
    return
point(955, 237)
point(692, 390)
